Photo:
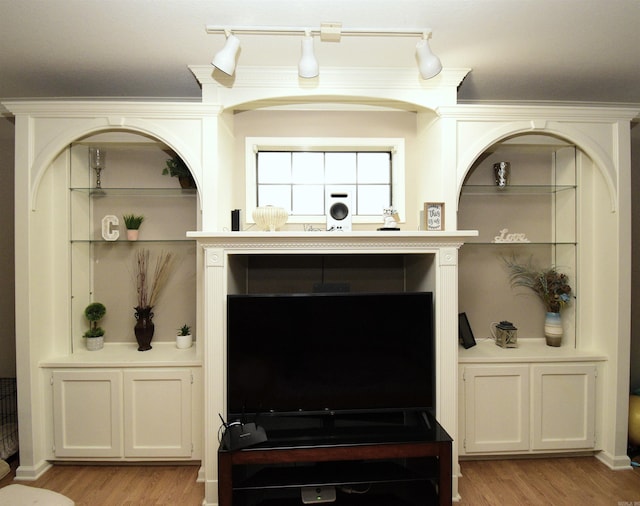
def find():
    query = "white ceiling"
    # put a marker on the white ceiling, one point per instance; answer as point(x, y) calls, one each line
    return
point(518, 50)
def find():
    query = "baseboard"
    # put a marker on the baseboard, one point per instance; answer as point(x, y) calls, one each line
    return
point(455, 495)
point(210, 493)
point(617, 463)
point(32, 473)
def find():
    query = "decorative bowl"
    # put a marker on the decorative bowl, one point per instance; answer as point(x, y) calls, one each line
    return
point(270, 218)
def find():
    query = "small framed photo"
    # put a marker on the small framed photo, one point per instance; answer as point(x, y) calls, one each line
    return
point(434, 216)
point(465, 334)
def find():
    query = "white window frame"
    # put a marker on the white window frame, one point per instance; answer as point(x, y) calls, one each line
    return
point(328, 144)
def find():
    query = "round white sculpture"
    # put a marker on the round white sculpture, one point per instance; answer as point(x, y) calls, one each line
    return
point(270, 218)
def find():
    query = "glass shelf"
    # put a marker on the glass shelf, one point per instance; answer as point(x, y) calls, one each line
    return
point(126, 241)
point(146, 192)
point(515, 190)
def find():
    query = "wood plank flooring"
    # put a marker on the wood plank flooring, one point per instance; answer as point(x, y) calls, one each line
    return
point(565, 481)
point(570, 481)
point(128, 485)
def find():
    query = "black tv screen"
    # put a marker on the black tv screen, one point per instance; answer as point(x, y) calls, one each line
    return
point(329, 352)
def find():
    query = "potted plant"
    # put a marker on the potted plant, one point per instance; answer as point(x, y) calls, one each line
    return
point(177, 168)
point(551, 286)
point(183, 339)
point(94, 312)
point(132, 222)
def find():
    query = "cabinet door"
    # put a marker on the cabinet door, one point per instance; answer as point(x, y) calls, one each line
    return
point(87, 413)
point(496, 408)
point(564, 398)
point(157, 413)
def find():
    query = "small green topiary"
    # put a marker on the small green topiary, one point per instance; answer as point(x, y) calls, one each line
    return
point(94, 312)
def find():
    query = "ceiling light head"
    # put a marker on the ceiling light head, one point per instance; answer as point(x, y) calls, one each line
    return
point(225, 59)
point(308, 66)
point(429, 64)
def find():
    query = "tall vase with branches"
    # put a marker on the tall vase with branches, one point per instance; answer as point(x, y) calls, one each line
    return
point(149, 282)
point(551, 286)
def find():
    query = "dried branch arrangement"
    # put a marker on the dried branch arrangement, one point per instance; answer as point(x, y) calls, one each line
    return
point(550, 285)
point(149, 285)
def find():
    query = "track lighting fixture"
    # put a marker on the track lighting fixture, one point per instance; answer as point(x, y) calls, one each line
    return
point(308, 65)
point(428, 63)
point(225, 59)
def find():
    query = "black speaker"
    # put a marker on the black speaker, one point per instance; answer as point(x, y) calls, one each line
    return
point(338, 204)
point(235, 220)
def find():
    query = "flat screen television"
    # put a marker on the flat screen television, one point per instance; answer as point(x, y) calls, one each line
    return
point(328, 353)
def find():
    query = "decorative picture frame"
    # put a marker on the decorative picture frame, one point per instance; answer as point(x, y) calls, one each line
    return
point(434, 216)
point(465, 334)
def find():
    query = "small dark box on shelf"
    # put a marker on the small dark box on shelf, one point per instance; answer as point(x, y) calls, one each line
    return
point(235, 220)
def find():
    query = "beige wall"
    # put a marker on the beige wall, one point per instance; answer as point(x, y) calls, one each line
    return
point(7, 336)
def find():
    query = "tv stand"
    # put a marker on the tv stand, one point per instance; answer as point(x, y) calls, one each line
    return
point(406, 466)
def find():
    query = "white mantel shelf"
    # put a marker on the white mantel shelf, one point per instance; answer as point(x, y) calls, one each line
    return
point(326, 241)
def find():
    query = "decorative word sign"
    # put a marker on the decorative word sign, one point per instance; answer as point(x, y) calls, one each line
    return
point(434, 215)
point(505, 236)
point(108, 232)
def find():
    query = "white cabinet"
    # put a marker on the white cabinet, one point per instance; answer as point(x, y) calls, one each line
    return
point(157, 413)
point(527, 407)
point(123, 413)
point(87, 413)
point(496, 408)
point(563, 406)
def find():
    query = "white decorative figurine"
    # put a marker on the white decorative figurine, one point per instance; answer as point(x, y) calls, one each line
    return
point(390, 216)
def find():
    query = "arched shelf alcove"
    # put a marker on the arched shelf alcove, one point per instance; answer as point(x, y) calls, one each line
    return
point(102, 257)
point(93, 130)
point(532, 216)
point(602, 162)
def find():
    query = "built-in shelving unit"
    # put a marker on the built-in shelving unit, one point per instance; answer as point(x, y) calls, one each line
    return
point(102, 269)
point(572, 201)
point(548, 395)
point(119, 404)
point(532, 218)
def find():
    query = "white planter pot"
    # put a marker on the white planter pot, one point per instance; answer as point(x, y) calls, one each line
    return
point(183, 342)
point(95, 343)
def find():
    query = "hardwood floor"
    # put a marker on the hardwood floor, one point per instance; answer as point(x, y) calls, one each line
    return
point(97, 485)
point(570, 481)
point(566, 481)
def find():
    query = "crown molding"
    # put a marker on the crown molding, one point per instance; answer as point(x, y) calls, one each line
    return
point(542, 111)
point(83, 108)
